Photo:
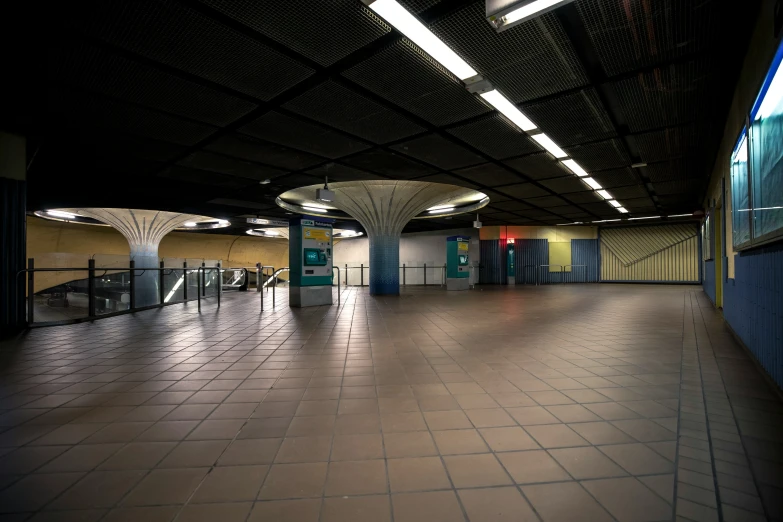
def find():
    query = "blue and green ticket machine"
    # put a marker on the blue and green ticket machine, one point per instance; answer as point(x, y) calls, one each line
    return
point(457, 263)
point(310, 251)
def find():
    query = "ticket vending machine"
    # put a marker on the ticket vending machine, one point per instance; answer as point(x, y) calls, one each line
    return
point(310, 261)
point(457, 263)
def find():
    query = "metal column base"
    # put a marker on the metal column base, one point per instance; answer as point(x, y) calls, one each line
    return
point(457, 283)
point(303, 296)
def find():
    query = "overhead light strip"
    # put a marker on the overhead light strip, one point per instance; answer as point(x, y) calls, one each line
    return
point(410, 26)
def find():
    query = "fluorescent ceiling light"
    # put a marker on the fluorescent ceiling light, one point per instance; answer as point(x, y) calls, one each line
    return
point(529, 10)
point(574, 167)
point(681, 215)
point(410, 26)
point(271, 232)
point(223, 222)
point(441, 207)
point(622, 210)
point(615, 204)
point(604, 194)
point(645, 217)
point(315, 209)
point(546, 142)
point(61, 214)
point(606, 220)
point(592, 183)
point(508, 109)
point(440, 210)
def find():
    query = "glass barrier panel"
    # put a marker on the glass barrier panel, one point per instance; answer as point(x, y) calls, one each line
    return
point(62, 296)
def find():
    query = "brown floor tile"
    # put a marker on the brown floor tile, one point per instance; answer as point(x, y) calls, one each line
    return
point(357, 406)
point(357, 447)
point(286, 511)
point(438, 403)
point(417, 474)
point(457, 442)
point(83, 457)
point(322, 425)
point(511, 438)
point(118, 432)
point(572, 413)
point(496, 505)
point(513, 400)
point(147, 514)
point(355, 424)
point(238, 410)
point(467, 471)
point(611, 411)
point(327, 407)
point(165, 486)
point(532, 415)
point(356, 509)
point(228, 512)
point(600, 433)
point(529, 467)
point(294, 481)
point(637, 459)
point(555, 436)
point(194, 453)
point(304, 449)
point(34, 491)
point(490, 418)
point(409, 444)
point(662, 485)
point(628, 500)
point(276, 409)
point(190, 412)
point(138, 455)
point(433, 506)
point(99, 489)
point(644, 430)
point(216, 430)
point(362, 477)
point(165, 431)
point(446, 420)
point(565, 501)
point(231, 484)
point(586, 463)
point(250, 451)
point(474, 401)
point(81, 515)
point(399, 422)
point(274, 427)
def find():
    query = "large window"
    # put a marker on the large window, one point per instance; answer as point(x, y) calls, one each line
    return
point(757, 167)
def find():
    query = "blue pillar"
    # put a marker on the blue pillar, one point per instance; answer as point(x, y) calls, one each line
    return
point(384, 264)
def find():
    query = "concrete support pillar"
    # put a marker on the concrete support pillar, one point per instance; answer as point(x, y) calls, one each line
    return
point(13, 232)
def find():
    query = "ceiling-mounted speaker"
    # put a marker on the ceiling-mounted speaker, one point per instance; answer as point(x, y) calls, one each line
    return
point(504, 14)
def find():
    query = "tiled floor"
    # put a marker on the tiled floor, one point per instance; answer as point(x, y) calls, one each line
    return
point(553, 403)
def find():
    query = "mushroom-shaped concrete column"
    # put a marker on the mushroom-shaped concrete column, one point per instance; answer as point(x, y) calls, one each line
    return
point(384, 207)
point(144, 229)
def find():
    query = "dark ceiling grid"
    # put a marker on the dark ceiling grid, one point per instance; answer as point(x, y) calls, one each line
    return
point(191, 68)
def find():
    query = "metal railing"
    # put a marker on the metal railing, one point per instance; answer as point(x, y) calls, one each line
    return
point(133, 273)
point(404, 269)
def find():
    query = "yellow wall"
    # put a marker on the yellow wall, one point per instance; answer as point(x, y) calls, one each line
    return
point(551, 234)
point(57, 244)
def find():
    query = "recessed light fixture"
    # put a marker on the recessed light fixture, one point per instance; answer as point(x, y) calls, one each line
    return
point(645, 217)
point(190, 224)
point(614, 203)
point(622, 210)
point(265, 181)
point(604, 194)
point(593, 184)
point(508, 109)
point(315, 209)
point(440, 210)
point(549, 145)
point(502, 17)
point(411, 27)
point(61, 214)
point(681, 215)
point(575, 168)
point(638, 165)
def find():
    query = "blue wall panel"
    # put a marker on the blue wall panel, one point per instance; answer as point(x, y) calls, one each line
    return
point(753, 305)
point(529, 254)
point(708, 282)
point(584, 252)
point(492, 270)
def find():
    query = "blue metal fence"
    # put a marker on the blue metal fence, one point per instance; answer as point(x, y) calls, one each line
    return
point(529, 254)
point(492, 270)
point(585, 252)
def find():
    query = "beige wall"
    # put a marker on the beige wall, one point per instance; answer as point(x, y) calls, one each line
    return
point(58, 244)
point(553, 234)
point(761, 50)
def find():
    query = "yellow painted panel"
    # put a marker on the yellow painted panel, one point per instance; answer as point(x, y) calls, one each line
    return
point(559, 254)
point(679, 262)
point(557, 234)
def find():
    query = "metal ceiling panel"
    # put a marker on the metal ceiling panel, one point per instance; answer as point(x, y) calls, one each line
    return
point(523, 190)
point(335, 105)
point(167, 32)
point(203, 177)
point(208, 161)
point(511, 206)
point(495, 137)
point(80, 109)
point(564, 185)
point(438, 151)
point(676, 169)
point(340, 172)
point(96, 70)
point(495, 196)
point(666, 96)
point(448, 180)
point(117, 145)
point(248, 148)
point(538, 166)
point(567, 210)
point(601, 155)
point(630, 35)
point(580, 198)
point(526, 62)
point(302, 135)
point(617, 178)
point(572, 118)
point(310, 28)
point(633, 191)
point(409, 78)
point(638, 204)
point(670, 143)
point(388, 164)
point(489, 175)
point(417, 6)
point(546, 201)
point(682, 187)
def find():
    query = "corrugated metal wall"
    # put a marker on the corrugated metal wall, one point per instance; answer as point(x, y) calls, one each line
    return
point(529, 254)
point(753, 305)
point(492, 270)
point(584, 252)
point(664, 254)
